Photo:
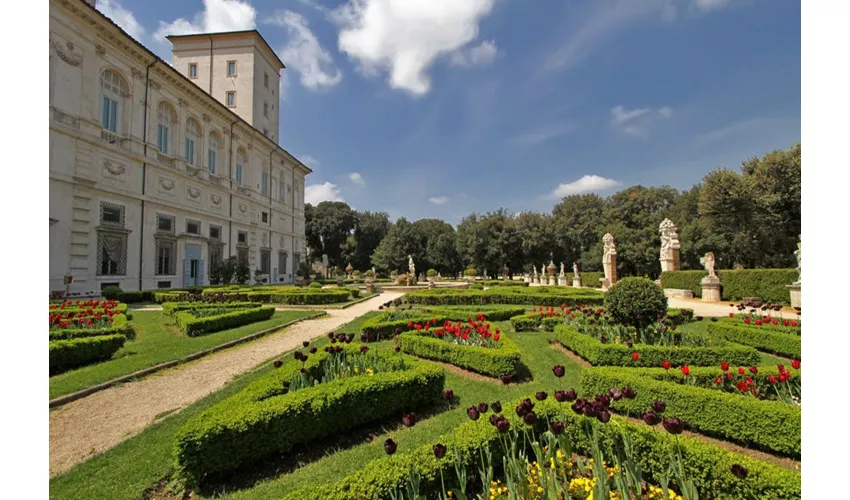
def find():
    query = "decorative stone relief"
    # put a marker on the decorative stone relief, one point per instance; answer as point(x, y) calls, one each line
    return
point(193, 193)
point(166, 184)
point(154, 84)
point(265, 239)
point(216, 199)
point(138, 73)
point(66, 52)
point(113, 168)
point(243, 208)
point(100, 50)
point(66, 119)
point(206, 118)
point(281, 242)
point(182, 102)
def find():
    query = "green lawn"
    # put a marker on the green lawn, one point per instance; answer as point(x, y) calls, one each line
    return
point(126, 470)
point(157, 341)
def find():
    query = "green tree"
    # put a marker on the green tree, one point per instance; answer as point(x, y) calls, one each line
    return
point(401, 240)
point(327, 226)
point(538, 240)
point(576, 221)
point(369, 229)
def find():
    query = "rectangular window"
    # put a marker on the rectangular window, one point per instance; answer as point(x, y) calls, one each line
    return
point(216, 255)
point(265, 261)
point(281, 265)
point(211, 160)
point(193, 70)
point(193, 226)
point(264, 187)
point(110, 114)
point(231, 99)
point(111, 214)
point(238, 173)
point(231, 68)
point(162, 139)
point(164, 223)
point(190, 151)
point(265, 217)
point(281, 188)
point(266, 80)
point(242, 254)
point(266, 109)
point(296, 261)
point(242, 237)
point(163, 284)
point(166, 257)
point(111, 253)
point(215, 232)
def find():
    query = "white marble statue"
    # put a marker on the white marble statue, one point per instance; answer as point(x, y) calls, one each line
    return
point(708, 263)
point(669, 239)
point(609, 258)
point(411, 267)
point(562, 269)
point(575, 269)
point(799, 255)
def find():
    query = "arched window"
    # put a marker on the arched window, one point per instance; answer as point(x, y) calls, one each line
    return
point(213, 153)
point(193, 134)
point(241, 161)
point(165, 117)
point(113, 88)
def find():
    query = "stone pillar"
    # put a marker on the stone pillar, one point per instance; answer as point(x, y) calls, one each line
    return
point(710, 289)
point(796, 294)
point(526, 278)
point(577, 281)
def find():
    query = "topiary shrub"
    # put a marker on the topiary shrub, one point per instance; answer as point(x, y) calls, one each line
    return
point(431, 273)
point(636, 302)
point(315, 284)
point(355, 293)
point(470, 272)
point(111, 292)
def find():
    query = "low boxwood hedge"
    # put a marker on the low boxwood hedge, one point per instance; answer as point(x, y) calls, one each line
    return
point(781, 343)
point(768, 284)
point(119, 326)
point(193, 326)
point(384, 325)
point(610, 354)
point(489, 283)
point(541, 296)
point(76, 352)
point(532, 322)
point(263, 420)
point(706, 464)
point(490, 361)
point(768, 425)
point(169, 308)
point(274, 295)
point(767, 323)
point(591, 279)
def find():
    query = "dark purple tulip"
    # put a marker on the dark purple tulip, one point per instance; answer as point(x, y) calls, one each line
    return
point(541, 396)
point(529, 418)
point(560, 396)
point(591, 410)
point(503, 425)
point(494, 418)
point(496, 406)
point(364, 337)
point(659, 406)
point(472, 413)
point(603, 400)
point(278, 363)
point(397, 348)
point(330, 335)
point(306, 343)
point(313, 350)
point(559, 370)
point(740, 471)
point(327, 348)
point(506, 379)
point(397, 331)
point(448, 394)
point(364, 348)
point(390, 446)
point(333, 340)
point(578, 406)
point(628, 392)
point(629, 343)
point(349, 338)
point(604, 416)
point(673, 425)
point(651, 418)
point(482, 407)
point(603, 339)
point(556, 428)
point(439, 450)
point(617, 395)
point(409, 419)
point(571, 395)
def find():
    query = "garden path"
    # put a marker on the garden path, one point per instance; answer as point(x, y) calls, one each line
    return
point(98, 422)
point(716, 308)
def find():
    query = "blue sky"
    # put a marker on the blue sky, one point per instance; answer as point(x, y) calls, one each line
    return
point(437, 108)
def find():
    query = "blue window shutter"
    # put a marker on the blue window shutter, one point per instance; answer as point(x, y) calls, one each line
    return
point(113, 115)
point(212, 161)
point(186, 271)
point(105, 117)
point(200, 278)
point(239, 173)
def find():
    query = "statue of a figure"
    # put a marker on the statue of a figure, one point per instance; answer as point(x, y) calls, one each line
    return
point(669, 239)
point(410, 266)
point(609, 258)
point(575, 269)
point(562, 268)
point(374, 274)
point(799, 255)
point(708, 263)
point(534, 269)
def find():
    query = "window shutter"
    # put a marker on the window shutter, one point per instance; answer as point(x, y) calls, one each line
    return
point(113, 122)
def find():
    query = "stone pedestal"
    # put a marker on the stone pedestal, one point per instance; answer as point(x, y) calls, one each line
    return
point(576, 282)
point(562, 280)
point(671, 263)
point(370, 287)
point(432, 283)
point(710, 289)
point(606, 284)
point(796, 294)
point(526, 278)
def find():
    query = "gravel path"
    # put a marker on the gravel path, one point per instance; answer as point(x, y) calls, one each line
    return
point(98, 422)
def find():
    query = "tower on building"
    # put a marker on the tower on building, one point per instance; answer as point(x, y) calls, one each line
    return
point(239, 69)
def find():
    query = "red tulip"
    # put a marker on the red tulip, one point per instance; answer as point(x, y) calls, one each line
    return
point(724, 366)
point(776, 322)
point(795, 364)
point(718, 381)
point(731, 315)
point(665, 365)
point(754, 370)
point(686, 371)
point(741, 370)
point(786, 323)
point(793, 323)
point(635, 356)
point(742, 386)
point(771, 379)
point(747, 320)
point(758, 322)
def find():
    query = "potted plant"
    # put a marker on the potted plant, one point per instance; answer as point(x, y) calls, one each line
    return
point(470, 274)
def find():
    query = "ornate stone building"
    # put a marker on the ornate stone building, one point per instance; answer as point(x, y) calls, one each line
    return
point(159, 171)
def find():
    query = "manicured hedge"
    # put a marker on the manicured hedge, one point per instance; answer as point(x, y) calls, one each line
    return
point(531, 322)
point(119, 326)
point(262, 420)
point(76, 352)
point(119, 307)
point(768, 284)
point(768, 425)
point(610, 354)
point(490, 361)
point(281, 295)
point(489, 283)
point(169, 308)
point(783, 344)
point(541, 296)
point(591, 279)
point(136, 297)
point(380, 325)
point(738, 320)
point(706, 464)
point(680, 316)
point(193, 326)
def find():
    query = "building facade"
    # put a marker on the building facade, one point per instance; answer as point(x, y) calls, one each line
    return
point(153, 179)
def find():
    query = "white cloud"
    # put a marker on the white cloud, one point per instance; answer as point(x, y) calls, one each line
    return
point(217, 16)
point(305, 54)
point(542, 135)
point(405, 38)
point(356, 178)
point(637, 122)
point(587, 184)
point(621, 115)
point(122, 17)
point(480, 55)
point(309, 161)
point(666, 111)
point(711, 4)
point(438, 200)
point(317, 193)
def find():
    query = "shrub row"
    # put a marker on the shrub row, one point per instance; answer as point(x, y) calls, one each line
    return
point(262, 420)
point(169, 308)
point(769, 326)
point(767, 425)
point(120, 307)
point(591, 279)
point(768, 284)
point(600, 354)
point(294, 296)
point(489, 283)
point(382, 324)
point(783, 344)
point(707, 464)
point(543, 296)
point(194, 327)
point(119, 326)
point(531, 322)
point(490, 361)
point(76, 352)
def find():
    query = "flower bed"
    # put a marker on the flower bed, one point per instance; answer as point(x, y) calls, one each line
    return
point(385, 324)
point(613, 354)
point(547, 318)
point(265, 419)
point(86, 331)
point(471, 346)
point(547, 296)
point(709, 466)
point(769, 425)
point(489, 283)
point(202, 321)
point(763, 339)
point(80, 351)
